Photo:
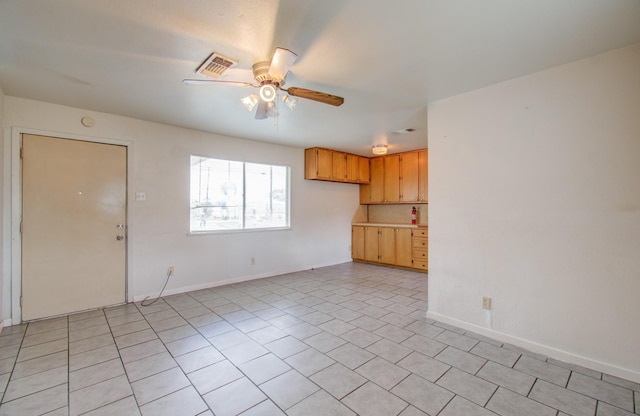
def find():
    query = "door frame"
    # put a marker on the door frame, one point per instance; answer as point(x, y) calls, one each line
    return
point(15, 289)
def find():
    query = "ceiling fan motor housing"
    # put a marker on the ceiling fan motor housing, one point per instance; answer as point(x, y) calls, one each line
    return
point(261, 74)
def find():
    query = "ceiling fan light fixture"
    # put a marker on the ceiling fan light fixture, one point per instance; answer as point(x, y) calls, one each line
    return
point(289, 101)
point(268, 93)
point(379, 149)
point(250, 101)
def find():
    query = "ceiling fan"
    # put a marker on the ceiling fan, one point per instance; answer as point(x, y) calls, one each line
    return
point(270, 78)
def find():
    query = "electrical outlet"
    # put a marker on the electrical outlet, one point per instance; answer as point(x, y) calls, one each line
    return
point(170, 271)
point(252, 261)
point(486, 303)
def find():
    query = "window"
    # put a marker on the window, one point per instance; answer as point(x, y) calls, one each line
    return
point(229, 195)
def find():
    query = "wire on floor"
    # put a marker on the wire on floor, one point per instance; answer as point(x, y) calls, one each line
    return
point(169, 273)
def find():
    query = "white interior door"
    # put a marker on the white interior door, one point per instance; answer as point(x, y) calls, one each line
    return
point(73, 225)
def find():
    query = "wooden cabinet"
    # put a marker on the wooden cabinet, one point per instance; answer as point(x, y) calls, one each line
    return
point(318, 164)
point(357, 242)
point(373, 192)
point(422, 175)
point(398, 178)
point(332, 165)
point(392, 178)
point(363, 169)
point(371, 239)
point(409, 177)
point(352, 168)
point(386, 245)
point(393, 246)
point(420, 249)
point(376, 183)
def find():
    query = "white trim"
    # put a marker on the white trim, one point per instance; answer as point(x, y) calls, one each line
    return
point(540, 348)
point(16, 212)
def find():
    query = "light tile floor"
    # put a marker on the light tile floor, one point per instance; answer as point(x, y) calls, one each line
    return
point(340, 340)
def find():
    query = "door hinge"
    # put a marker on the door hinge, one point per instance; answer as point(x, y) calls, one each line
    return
point(21, 152)
point(21, 301)
point(20, 227)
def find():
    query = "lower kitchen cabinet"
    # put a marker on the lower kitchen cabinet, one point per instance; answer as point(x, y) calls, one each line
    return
point(357, 243)
point(393, 246)
point(420, 249)
point(371, 238)
point(403, 247)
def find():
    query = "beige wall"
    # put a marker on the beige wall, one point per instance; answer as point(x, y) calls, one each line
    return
point(321, 212)
point(535, 201)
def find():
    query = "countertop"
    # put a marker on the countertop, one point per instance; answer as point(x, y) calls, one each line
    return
point(381, 224)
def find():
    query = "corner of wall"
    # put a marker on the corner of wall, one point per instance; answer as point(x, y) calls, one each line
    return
point(3, 189)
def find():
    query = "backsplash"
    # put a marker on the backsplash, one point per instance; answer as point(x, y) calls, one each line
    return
point(391, 214)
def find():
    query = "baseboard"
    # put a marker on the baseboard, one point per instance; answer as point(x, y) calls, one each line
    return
point(550, 352)
point(240, 279)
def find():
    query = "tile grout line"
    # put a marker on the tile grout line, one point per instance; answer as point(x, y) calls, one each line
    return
point(13, 367)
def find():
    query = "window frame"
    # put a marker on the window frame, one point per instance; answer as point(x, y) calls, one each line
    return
point(244, 229)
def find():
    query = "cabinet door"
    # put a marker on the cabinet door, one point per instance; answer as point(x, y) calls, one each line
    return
point(387, 248)
point(365, 193)
point(339, 168)
point(403, 247)
point(310, 163)
point(392, 178)
point(324, 163)
point(422, 175)
point(357, 242)
point(409, 176)
point(352, 168)
point(371, 244)
point(363, 169)
point(376, 185)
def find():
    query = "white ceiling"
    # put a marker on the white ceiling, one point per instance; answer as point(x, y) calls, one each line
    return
point(388, 59)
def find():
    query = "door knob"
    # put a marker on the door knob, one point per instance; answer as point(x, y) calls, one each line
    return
point(120, 237)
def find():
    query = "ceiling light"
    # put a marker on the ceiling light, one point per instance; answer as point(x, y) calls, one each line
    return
point(289, 101)
point(250, 101)
point(268, 92)
point(379, 149)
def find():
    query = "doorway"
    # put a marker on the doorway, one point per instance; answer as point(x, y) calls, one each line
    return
point(73, 225)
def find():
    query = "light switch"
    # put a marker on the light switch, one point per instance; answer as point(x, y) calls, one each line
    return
point(141, 196)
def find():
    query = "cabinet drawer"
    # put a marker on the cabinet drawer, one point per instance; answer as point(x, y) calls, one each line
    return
point(422, 265)
point(420, 243)
point(420, 233)
point(419, 255)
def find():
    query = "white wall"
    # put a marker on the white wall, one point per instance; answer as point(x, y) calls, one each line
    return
point(320, 212)
point(535, 201)
point(3, 218)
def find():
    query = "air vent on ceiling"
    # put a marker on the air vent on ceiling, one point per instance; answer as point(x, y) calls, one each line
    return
point(215, 65)
point(403, 131)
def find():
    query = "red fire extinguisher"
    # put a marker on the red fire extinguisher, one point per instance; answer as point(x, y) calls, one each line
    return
point(413, 215)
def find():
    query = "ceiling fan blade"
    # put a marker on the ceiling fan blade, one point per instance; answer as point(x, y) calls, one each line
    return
point(261, 112)
point(212, 81)
point(321, 97)
point(280, 63)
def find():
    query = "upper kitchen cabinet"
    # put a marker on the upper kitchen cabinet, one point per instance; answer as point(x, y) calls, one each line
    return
point(409, 177)
point(373, 192)
point(392, 178)
point(397, 178)
point(422, 175)
point(331, 165)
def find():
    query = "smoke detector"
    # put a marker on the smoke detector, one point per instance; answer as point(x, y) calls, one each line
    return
point(215, 65)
